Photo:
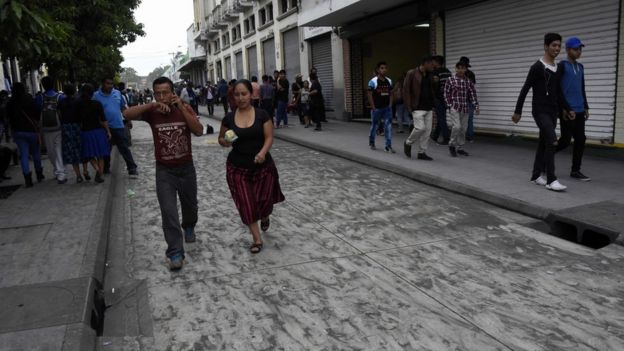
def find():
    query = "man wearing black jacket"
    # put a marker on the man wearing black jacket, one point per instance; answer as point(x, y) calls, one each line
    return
point(544, 78)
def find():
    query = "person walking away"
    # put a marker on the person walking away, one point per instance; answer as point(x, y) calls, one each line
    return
point(576, 108)
point(418, 97)
point(94, 133)
point(129, 101)
point(51, 127)
point(472, 77)
point(222, 91)
point(403, 118)
point(380, 100)
point(267, 95)
point(172, 121)
point(24, 118)
point(188, 96)
point(282, 99)
point(113, 105)
point(4, 118)
point(210, 97)
point(296, 88)
point(440, 75)
point(251, 173)
point(70, 123)
point(544, 79)
point(230, 95)
point(304, 103)
point(459, 94)
point(255, 94)
point(317, 104)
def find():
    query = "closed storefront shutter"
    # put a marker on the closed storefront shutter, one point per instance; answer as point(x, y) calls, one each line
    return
point(291, 53)
point(228, 68)
point(322, 60)
point(504, 38)
point(252, 62)
point(268, 54)
point(239, 65)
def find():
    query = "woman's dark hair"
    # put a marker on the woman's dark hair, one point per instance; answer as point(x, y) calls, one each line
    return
point(162, 80)
point(244, 82)
point(69, 90)
point(86, 92)
point(254, 79)
point(47, 83)
point(265, 78)
point(19, 90)
point(313, 76)
point(550, 37)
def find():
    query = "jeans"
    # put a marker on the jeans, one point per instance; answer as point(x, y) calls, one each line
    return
point(459, 123)
point(545, 154)
point(28, 144)
point(422, 129)
point(118, 137)
point(210, 105)
point(171, 184)
point(281, 114)
point(384, 113)
point(54, 145)
point(573, 129)
point(470, 129)
point(441, 125)
point(224, 101)
point(267, 105)
point(403, 117)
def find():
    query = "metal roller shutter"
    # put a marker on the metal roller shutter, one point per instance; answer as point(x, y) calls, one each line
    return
point(239, 65)
point(322, 60)
point(228, 68)
point(268, 54)
point(291, 53)
point(252, 61)
point(504, 38)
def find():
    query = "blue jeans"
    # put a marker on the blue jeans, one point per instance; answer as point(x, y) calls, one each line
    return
point(376, 116)
point(118, 137)
point(404, 118)
point(470, 130)
point(441, 125)
point(28, 143)
point(281, 113)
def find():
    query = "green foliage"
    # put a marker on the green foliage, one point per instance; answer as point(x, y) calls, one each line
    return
point(78, 40)
point(156, 73)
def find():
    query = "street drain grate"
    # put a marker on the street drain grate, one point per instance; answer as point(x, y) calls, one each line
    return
point(8, 190)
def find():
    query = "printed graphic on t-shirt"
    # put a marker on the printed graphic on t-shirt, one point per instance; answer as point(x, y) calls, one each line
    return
point(173, 142)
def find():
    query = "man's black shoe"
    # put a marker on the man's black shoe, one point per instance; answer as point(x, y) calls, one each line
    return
point(453, 151)
point(423, 156)
point(407, 149)
point(372, 146)
point(463, 152)
point(580, 176)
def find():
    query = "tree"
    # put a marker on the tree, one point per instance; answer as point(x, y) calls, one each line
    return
point(78, 40)
point(156, 73)
point(129, 74)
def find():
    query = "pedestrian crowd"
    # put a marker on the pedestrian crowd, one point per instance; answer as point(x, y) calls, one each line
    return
point(431, 90)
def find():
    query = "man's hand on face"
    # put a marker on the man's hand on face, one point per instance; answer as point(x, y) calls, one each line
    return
point(161, 107)
point(175, 101)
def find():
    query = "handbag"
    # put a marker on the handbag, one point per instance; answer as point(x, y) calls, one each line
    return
point(35, 125)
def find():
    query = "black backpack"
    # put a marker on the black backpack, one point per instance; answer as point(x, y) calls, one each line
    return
point(50, 115)
point(209, 129)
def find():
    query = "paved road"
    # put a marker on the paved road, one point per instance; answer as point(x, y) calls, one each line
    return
point(356, 259)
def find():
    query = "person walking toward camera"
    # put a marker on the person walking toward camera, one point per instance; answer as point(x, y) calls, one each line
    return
point(459, 96)
point(251, 173)
point(544, 78)
point(172, 121)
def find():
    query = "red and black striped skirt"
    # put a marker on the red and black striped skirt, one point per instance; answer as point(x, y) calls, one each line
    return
point(254, 191)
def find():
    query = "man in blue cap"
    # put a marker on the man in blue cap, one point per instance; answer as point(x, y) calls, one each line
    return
point(575, 107)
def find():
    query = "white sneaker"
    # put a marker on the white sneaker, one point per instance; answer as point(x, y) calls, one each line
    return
point(556, 186)
point(540, 181)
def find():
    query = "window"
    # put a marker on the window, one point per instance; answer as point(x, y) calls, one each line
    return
point(263, 17)
point(283, 6)
point(249, 24)
point(225, 40)
point(269, 10)
point(236, 33)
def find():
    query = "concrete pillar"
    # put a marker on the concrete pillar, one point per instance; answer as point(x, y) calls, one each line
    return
point(618, 133)
point(17, 70)
point(34, 81)
point(2, 85)
point(339, 84)
point(9, 72)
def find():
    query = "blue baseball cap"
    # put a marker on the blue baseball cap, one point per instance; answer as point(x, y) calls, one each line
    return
point(573, 43)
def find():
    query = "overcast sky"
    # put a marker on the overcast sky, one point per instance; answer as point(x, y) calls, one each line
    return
point(165, 23)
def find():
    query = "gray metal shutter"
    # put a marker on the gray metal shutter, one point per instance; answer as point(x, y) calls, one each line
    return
point(252, 62)
point(291, 53)
point(239, 65)
point(228, 68)
point(268, 53)
point(504, 38)
point(322, 60)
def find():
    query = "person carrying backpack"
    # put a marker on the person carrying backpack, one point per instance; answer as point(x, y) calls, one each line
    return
point(48, 104)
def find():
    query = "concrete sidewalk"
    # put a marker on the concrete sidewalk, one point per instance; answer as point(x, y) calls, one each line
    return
point(497, 170)
point(52, 251)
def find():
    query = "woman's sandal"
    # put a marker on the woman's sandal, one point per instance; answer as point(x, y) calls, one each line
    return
point(255, 248)
point(264, 225)
point(87, 176)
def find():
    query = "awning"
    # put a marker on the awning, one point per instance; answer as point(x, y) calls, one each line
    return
point(193, 63)
point(340, 13)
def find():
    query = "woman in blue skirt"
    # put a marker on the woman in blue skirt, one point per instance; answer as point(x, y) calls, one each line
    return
point(94, 132)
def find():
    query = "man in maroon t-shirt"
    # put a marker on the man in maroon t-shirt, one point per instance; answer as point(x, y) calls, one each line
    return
point(172, 122)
